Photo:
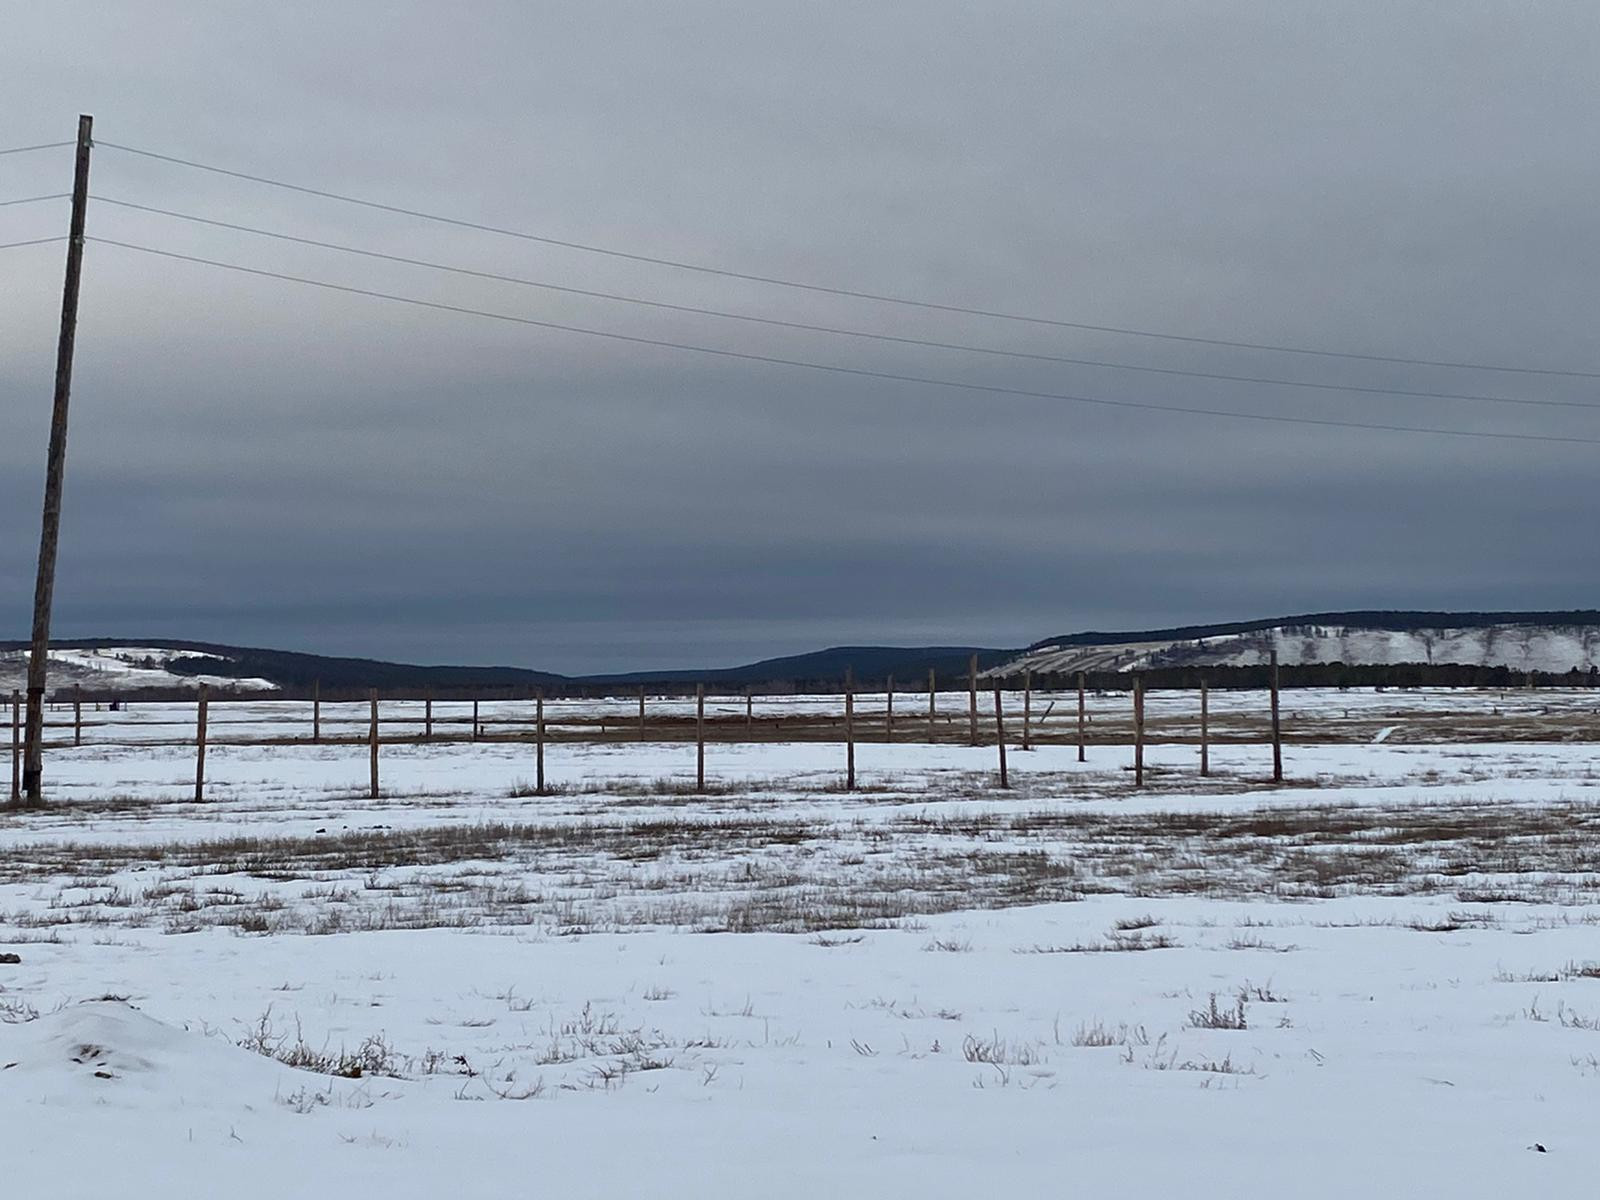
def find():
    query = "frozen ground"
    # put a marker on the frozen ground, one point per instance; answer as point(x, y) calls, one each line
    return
point(1382, 977)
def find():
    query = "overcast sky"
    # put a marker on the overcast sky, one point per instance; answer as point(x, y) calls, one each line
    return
point(258, 462)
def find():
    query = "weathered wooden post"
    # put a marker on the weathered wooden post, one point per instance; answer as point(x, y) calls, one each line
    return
point(749, 713)
point(427, 717)
point(316, 710)
point(849, 731)
point(16, 746)
point(1082, 716)
point(475, 725)
point(641, 714)
point(1027, 709)
point(700, 736)
point(972, 698)
point(933, 713)
point(1205, 733)
point(1277, 735)
point(888, 711)
point(372, 742)
point(200, 746)
point(538, 740)
point(1138, 731)
point(1000, 734)
point(77, 715)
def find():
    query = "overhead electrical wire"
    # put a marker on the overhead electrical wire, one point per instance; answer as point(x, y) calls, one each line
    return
point(882, 298)
point(35, 199)
point(723, 314)
point(860, 372)
point(60, 237)
point(40, 146)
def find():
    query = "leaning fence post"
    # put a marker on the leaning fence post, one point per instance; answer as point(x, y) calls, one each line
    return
point(200, 747)
point(849, 731)
point(1138, 731)
point(1082, 715)
point(16, 746)
point(1205, 733)
point(372, 742)
point(1000, 734)
point(700, 737)
point(1277, 736)
point(1027, 708)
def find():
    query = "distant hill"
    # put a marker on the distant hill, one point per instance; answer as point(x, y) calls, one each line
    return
point(1452, 646)
point(157, 667)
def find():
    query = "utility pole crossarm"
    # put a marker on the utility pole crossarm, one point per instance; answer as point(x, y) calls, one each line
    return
point(55, 469)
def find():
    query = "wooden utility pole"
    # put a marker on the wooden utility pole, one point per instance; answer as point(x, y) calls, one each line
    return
point(316, 710)
point(54, 474)
point(1138, 731)
point(888, 711)
point(1082, 716)
point(200, 746)
point(1027, 708)
point(372, 742)
point(849, 731)
point(1277, 735)
point(538, 738)
point(700, 737)
point(1205, 732)
point(972, 698)
point(1000, 735)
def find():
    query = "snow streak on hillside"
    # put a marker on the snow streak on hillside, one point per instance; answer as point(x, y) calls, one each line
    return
point(123, 669)
point(1546, 648)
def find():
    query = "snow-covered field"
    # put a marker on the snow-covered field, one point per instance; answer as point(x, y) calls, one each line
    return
point(1380, 978)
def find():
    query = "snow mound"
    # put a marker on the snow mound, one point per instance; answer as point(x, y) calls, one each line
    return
point(109, 1052)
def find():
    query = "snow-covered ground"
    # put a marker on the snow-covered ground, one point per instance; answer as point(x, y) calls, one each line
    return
point(1380, 978)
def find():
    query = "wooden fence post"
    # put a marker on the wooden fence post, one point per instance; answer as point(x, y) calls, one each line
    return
point(700, 736)
point(538, 738)
point(749, 712)
point(475, 725)
point(888, 710)
point(316, 710)
point(1277, 736)
point(77, 715)
point(972, 698)
point(1082, 716)
point(933, 714)
point(1205, 732)
point(849, 731)
point(16, 746)
point(427, 717)
point(1138, 731)
point(1027, 709)
point(372, 742)
point(1000, 735)
point(641, 714)
point(200, 747)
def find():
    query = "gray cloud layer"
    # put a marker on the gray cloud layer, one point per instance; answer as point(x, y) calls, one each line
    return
point(257, 462)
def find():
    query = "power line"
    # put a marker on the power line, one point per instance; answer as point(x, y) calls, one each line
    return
point(34, 199)
point(40, 146)
point(723, 314)
point(860, 372)
point(878, 297)
point(34, 242)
